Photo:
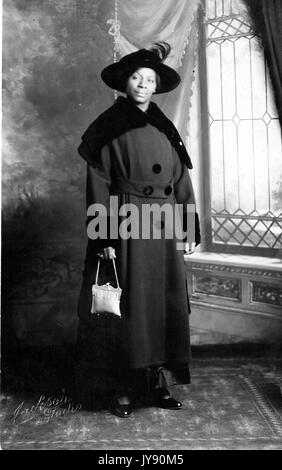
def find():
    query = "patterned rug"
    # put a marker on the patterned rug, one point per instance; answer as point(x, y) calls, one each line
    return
point(231, 404)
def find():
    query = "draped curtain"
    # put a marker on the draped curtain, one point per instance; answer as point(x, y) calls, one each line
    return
point(267, 20)
point(173, 21)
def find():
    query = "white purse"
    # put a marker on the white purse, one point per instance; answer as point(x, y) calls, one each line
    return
point(105, 298)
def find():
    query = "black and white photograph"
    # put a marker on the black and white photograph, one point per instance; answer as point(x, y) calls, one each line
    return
point(141, 227)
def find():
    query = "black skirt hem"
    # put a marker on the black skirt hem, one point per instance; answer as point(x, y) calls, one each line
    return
point(138, 382)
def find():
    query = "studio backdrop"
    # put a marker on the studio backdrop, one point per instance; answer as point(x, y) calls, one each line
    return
point(53, 53)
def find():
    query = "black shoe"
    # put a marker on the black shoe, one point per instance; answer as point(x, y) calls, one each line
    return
point(167, 403)
point(120, 410)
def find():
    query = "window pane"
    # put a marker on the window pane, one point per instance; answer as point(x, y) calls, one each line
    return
point(245, 136)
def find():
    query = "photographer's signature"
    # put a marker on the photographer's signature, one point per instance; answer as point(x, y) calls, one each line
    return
point(45, 409)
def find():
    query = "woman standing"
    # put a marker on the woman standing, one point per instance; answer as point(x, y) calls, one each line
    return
point(135, 153)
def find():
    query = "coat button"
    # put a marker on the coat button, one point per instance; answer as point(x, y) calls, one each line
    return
point(160, 224)
point(148, 190)
point(168, 190)
point(157, 168)
point(180, 143)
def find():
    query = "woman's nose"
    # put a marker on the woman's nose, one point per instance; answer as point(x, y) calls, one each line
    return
point(142, 83)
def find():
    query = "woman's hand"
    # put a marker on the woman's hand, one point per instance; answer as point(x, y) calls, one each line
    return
point(108, 253)
point(189, 248)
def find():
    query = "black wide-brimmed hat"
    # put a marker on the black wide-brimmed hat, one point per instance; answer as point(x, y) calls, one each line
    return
point(115, 75)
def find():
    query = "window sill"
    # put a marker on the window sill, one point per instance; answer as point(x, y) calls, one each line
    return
point(259, 262)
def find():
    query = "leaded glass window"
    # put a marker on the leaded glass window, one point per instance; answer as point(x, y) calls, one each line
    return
point(244, 134)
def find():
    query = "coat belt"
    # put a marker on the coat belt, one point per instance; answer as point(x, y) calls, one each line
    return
point(148, 189)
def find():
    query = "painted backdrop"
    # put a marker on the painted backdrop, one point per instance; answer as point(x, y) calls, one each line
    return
point(53, 54)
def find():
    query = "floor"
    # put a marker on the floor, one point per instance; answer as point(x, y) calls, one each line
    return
point(233, 402)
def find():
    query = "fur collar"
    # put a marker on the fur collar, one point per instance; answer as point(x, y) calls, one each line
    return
point(122, 117)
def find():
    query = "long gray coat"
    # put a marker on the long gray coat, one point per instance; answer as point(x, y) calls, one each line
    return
point(140, 166)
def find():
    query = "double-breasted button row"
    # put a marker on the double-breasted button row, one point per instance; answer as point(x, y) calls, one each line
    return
point(148, 190)
point(168, 190)
point(160, 224)
point(157, 168)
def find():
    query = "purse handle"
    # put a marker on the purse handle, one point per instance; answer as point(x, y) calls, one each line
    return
point(97, 273)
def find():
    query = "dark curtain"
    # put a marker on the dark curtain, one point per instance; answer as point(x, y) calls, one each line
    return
point(267, 21)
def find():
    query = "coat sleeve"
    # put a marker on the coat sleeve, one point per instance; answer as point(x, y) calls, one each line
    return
point(98, 184)
point(184, 194)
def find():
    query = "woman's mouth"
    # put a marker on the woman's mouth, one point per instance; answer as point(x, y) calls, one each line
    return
point(140, 93)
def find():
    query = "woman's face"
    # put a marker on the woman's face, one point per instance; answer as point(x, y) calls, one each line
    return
point(141, 85)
